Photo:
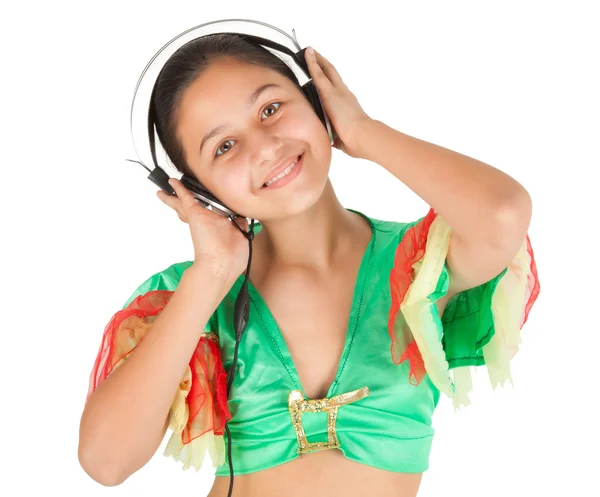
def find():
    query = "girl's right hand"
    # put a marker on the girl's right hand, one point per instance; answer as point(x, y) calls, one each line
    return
point(218, 245)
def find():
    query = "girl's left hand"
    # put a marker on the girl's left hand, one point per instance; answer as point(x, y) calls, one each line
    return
point(342, 107)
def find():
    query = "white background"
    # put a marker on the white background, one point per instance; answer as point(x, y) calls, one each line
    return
point(514, 84)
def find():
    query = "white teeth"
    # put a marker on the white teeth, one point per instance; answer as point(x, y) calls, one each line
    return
point(284, 173)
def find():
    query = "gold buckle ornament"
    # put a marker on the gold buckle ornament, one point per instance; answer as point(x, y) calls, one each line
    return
point(299, 405)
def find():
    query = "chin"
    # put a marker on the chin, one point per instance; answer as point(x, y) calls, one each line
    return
point(294, 201)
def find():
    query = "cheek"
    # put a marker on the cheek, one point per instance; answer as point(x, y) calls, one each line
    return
point(234, 184)
point(307, 127)
point(306, 123)
point(317, 137)
point(227, 183)
point(236, 179)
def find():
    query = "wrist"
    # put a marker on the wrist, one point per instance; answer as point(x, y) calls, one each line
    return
point(214, 273)
point(201, 286)
point(368, 129)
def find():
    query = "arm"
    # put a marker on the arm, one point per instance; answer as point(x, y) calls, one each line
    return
point(489, 212)
point(125, 419)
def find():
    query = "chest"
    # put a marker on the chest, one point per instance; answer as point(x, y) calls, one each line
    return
point(312, 315)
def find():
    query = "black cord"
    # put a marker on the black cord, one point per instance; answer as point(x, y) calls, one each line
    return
point(230, 465)
point(240, 321)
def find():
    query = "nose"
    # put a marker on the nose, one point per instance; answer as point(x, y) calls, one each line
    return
point(265, 147)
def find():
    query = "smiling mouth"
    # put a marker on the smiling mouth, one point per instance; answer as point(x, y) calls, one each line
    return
point(284, 173)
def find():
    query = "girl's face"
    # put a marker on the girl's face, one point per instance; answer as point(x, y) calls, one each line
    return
point(237, 123)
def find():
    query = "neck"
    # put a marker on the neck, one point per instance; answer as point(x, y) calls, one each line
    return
point(313, 239)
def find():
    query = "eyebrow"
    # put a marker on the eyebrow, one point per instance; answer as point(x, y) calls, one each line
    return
point(251, 101)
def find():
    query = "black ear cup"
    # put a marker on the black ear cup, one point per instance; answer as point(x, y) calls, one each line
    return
point(312, 95)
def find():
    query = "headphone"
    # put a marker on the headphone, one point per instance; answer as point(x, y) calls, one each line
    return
point(143, 136)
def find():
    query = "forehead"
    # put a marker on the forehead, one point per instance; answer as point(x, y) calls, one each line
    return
point(225, 87)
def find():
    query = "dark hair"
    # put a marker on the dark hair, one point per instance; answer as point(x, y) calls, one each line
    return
point(184, 67)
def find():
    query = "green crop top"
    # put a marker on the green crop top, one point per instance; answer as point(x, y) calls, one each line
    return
point(378, 410)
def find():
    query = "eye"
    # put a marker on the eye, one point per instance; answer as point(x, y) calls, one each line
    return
point(276, 105)
point(219, 148)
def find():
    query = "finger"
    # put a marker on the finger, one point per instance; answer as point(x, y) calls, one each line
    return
point(329, 70)
point(165, 198)
point(186, 198)
point(316, 73)
point(187, 204)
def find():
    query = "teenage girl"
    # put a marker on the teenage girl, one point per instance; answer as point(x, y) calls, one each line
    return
point(356, 324)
